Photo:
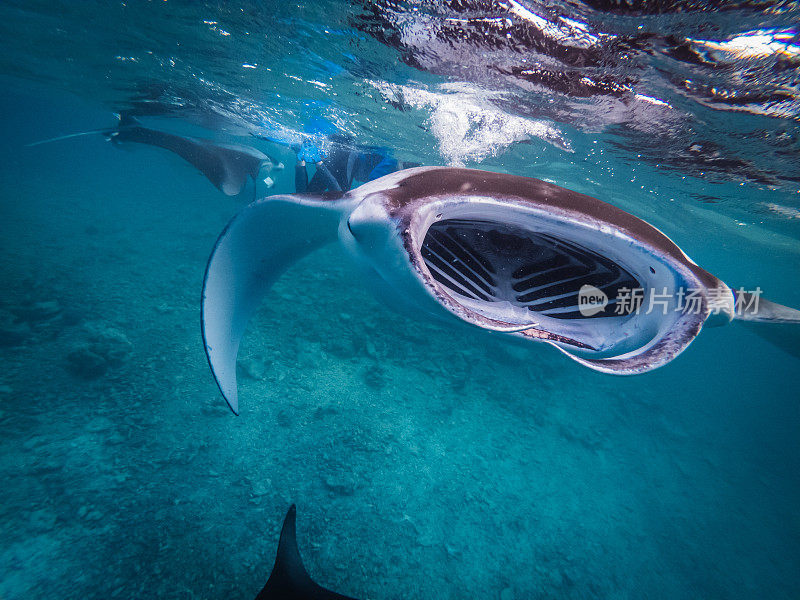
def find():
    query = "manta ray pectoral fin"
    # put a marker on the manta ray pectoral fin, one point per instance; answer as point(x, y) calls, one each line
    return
point(751, 307)
point(238, 163)
point(257, 245)
point(289, 579)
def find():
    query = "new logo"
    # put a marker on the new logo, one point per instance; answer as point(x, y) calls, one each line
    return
point(591, 300)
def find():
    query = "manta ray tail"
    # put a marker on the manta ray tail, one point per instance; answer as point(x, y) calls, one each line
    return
point(125, 120)
point(258, 244)
point(105, 131)
point(750, 307)
point(289, 579)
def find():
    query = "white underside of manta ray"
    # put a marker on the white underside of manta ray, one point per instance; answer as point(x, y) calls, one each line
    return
point(507, 254)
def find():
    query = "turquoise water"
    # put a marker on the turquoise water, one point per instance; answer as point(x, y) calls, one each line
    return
point(425, 462)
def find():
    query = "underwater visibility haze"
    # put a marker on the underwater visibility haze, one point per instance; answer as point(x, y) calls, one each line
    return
point(427, 458)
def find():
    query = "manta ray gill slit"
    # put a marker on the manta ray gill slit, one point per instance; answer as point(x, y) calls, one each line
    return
point(484, 262)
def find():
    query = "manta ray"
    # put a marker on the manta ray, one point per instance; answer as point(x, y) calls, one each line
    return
point(226, 166)
point(510, 255)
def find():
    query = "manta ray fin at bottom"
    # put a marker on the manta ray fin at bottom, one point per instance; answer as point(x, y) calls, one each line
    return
point(289, 579)
point(261, 242)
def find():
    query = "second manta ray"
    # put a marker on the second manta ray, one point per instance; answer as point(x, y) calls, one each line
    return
point(512, 255)
point(226, 166)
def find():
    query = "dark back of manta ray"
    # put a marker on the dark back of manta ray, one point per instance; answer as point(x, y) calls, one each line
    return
point(225, 166)
point(289, 579)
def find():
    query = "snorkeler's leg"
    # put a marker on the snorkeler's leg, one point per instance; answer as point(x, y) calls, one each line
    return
point(323, 180)
point(300, 178)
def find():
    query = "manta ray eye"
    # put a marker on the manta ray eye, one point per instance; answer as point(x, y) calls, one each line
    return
point(484, 263)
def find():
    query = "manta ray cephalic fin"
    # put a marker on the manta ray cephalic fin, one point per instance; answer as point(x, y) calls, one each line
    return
point(254, 249)
point(760, 310)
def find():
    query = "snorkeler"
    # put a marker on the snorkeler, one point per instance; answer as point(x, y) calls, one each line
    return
point(342, 164)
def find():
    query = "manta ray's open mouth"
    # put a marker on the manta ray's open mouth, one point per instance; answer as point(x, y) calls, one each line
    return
point(484, 262)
